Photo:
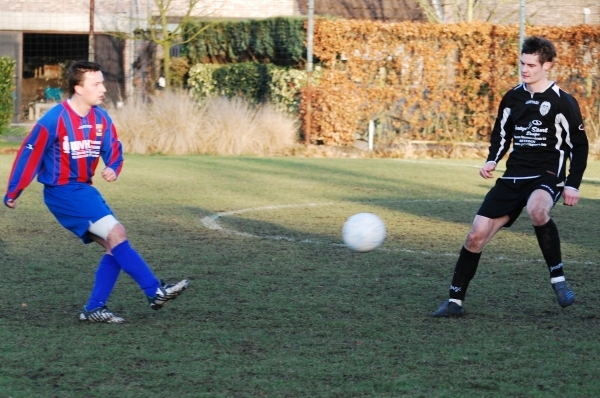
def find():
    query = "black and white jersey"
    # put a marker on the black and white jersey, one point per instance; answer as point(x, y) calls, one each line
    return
point(545, 130)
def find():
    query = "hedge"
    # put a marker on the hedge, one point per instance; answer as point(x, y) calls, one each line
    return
point(7, 88)
point(439, 82)
point(278, 41)
point(258, 83)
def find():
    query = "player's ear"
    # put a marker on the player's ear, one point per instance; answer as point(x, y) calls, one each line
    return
point(77, 89)
point(547, 66)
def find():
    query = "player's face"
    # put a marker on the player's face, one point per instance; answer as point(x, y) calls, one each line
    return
point(91, 90)
point(531, 69)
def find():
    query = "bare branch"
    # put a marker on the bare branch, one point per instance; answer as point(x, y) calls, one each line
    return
point(499, 11)
point(429, 10)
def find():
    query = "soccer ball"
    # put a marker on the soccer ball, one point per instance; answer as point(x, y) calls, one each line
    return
point(363, 232)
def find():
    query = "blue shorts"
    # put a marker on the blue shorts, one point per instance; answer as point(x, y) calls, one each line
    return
point(76, 207)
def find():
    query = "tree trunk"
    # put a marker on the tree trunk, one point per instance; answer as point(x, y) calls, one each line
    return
point(470, 6)
point(167, 63)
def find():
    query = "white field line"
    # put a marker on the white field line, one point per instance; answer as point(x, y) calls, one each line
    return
point(211, 222)
point(467, 165)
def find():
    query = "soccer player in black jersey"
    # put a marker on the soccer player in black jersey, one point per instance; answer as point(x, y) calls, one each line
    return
point(545, 127)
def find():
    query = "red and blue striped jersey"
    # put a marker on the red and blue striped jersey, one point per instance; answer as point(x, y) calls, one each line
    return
point(64, 148)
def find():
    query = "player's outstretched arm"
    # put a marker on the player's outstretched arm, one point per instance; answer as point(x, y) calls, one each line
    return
point(487, 169)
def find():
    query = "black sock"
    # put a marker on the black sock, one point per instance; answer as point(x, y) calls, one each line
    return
point(465, 269)
point(549, 241)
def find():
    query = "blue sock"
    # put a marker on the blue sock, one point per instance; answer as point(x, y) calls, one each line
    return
point(135, 266)
point(106, 277)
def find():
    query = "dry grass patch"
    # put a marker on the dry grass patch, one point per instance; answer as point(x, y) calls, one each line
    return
point(235, 127)
point(175, 124)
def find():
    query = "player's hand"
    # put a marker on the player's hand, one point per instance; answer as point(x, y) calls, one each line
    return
point(11, 203)
point(109, 174)
point(487, 169)
point(570, 196)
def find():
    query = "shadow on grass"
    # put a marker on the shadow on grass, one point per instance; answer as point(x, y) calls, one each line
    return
point(421, 195)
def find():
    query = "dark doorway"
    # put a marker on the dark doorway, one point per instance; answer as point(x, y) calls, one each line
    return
point(47, 56)
point(40, 49)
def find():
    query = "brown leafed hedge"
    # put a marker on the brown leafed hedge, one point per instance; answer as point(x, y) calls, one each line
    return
point(435, 81)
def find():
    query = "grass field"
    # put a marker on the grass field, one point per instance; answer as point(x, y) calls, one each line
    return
point(278, 307)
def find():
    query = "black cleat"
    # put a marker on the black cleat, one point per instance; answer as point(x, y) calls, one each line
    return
point(449, 309)
point(564, 295)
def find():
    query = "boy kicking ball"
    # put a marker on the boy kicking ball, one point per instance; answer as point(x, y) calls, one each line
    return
point(63, 150)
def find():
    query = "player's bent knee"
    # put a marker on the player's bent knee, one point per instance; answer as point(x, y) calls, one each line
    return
point(476, 240)
point(104, 226)
point(474, 243)
point(539, 216)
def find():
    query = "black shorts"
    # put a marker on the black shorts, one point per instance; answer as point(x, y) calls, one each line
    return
point(509, 196)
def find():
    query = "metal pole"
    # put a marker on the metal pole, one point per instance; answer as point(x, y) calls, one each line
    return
point(586, 15)
point(91, 38)
point(521, 35)
point(309, 69)
point(439, 10)
point(470, 6)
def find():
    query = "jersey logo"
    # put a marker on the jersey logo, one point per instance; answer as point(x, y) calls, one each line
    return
point(81, 148)
point(99, 130)
point(29, 146)
point(581, 127)
point(545, 108)
point(536, 123)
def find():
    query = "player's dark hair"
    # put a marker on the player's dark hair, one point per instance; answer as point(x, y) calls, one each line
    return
point(77, 70)
point(539, 46)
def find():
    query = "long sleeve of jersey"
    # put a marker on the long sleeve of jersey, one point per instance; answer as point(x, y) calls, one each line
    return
point(502, 134)
point(111, 149)
point(27, 162)
point(573, 121)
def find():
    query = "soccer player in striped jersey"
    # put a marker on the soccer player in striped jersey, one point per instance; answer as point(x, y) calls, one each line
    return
point(546, 129)
point(63, 149)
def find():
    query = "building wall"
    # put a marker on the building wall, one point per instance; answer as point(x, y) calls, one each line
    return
point(123, 15)
point(537, 12)
point(381, 10)
point(114, 15)
point(566, 13)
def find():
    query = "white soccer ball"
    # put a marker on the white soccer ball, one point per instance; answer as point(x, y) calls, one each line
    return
point(363, 232)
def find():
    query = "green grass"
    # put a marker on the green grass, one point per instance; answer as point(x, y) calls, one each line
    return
point(278, 307)
point(11, 139)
